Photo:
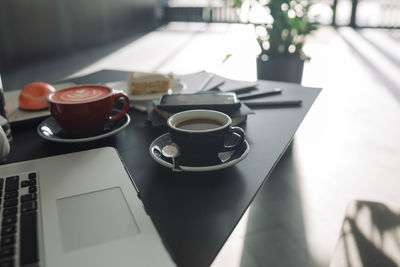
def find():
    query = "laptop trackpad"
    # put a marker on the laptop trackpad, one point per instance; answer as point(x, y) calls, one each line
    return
point(94, 218)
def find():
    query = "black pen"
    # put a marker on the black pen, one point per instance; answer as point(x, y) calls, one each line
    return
point(259, 93)
point(265, 104)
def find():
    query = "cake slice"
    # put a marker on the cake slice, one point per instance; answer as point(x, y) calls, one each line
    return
point(139, 84)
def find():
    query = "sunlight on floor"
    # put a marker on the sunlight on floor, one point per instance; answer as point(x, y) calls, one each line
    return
point(348, 143)
point(346, 149)
point(187, 48)
point(160, 45)
point(232, 254)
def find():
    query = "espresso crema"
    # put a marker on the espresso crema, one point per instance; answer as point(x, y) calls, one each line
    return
point(198, 123)
point(80, 94)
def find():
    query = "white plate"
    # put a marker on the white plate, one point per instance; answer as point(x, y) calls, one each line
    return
point(176, 86)
point(227, 158)
point(15, 114)
point(50, 130)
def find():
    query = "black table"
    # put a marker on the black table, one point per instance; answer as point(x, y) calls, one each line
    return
point(194, 212)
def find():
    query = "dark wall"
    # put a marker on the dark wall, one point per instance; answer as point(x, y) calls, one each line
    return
point(36, 29)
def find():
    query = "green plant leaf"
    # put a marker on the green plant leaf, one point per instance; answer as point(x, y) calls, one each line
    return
point(237, 3)
point(226, 58)
point(303, 25)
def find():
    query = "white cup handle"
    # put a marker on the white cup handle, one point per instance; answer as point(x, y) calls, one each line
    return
point(4, 144)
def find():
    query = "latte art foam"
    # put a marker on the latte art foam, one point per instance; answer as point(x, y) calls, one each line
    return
point(83, 94)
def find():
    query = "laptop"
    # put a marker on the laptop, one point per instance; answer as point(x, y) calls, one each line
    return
point(78, 209)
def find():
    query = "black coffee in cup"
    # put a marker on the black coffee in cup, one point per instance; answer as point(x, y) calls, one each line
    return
point(198, 123)
point(202, 134)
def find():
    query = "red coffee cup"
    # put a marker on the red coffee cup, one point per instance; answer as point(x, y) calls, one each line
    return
point(84, 110)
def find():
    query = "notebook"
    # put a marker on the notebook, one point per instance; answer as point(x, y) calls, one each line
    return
point(79, 209)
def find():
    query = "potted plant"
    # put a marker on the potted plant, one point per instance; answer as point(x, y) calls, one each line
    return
point(281, 30)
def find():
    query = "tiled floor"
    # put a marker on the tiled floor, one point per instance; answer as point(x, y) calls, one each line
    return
point(347, 148)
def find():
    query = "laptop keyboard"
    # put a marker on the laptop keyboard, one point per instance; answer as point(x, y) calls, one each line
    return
point(19, 220)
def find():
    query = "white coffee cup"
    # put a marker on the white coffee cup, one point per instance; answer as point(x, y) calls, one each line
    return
point(4, 144)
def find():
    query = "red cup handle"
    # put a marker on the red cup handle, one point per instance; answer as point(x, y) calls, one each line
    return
point(126, 105)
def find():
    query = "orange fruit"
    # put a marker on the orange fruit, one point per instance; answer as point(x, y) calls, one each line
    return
point(33, 96)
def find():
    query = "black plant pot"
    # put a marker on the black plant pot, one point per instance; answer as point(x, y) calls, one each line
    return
point(280, 68)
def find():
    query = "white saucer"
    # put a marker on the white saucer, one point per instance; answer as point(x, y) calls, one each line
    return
point(50, 130)
point(227, 159)
point(176, 86)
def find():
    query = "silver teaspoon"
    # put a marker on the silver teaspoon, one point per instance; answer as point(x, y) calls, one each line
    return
point(172, 152)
